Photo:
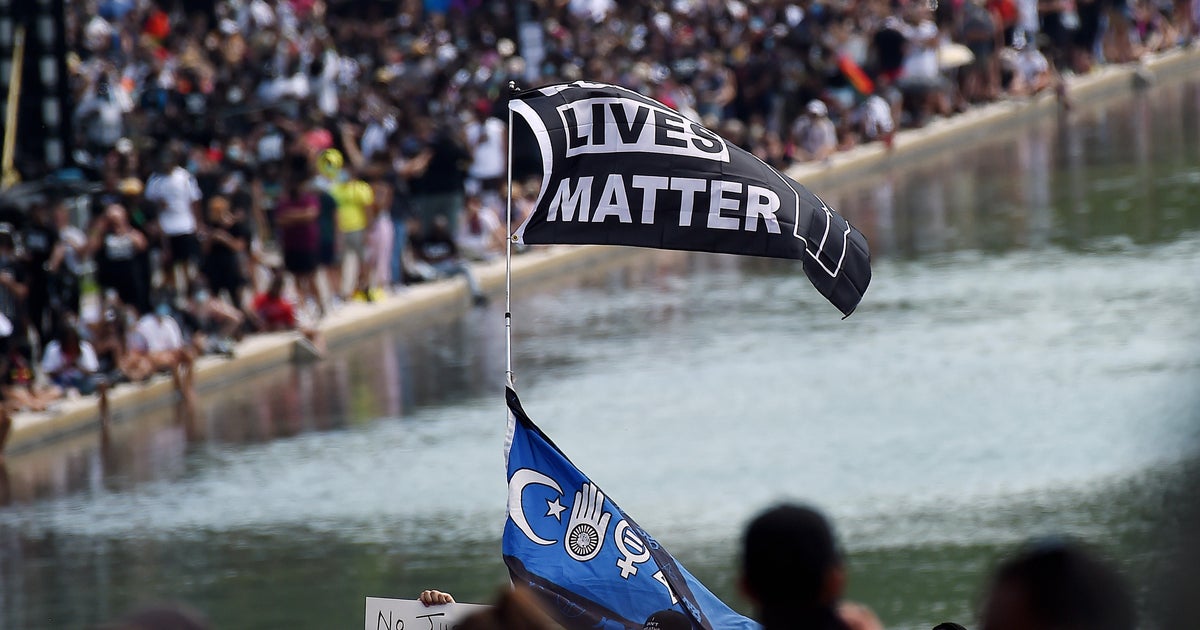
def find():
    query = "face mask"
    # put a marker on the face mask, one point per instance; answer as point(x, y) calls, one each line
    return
point(202, 296)
point(162, 310)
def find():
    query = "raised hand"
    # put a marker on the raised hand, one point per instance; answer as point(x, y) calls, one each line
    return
point(588, 524)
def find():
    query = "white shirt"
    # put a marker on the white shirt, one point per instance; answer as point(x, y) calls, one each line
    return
point(922, 59)
point(478, 246)
point(876, 116)
point(178, 190)
point(487, 140)
point(76, 242)
point(159, 333)
point(52, 360)
point(1031, 63)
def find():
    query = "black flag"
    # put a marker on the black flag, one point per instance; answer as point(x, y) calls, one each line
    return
point(622, 169)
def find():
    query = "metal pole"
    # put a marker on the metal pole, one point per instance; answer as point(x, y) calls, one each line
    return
point(508, 242)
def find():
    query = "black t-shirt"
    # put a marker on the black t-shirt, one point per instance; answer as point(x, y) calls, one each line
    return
point(221, 264)
point(10, 304)
point(102, 200)
point(433, 248)
point(447, 168)
point(39, 244)
point(401, 198)
point(889, 43)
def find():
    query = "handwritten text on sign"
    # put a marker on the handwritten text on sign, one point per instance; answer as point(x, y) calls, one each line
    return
point(410, 614)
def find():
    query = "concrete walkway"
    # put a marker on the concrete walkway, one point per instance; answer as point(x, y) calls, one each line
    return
point(356, 320)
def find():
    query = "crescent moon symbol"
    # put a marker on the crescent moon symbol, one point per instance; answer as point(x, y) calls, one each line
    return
point(516, 486)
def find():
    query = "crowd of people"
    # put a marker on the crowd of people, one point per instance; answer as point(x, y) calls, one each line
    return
point(354, 147)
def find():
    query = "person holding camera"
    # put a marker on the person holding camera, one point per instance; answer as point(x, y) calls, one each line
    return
point(115, 246)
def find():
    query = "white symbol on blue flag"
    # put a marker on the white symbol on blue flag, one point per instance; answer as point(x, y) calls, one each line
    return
point(633, 550)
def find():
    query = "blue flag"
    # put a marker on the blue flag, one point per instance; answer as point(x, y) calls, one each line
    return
point(589, 562)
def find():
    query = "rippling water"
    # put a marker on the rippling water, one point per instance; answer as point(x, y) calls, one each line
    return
point(1025, 362)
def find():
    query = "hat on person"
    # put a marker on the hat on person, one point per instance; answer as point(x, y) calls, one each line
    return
point(130, 186)
point(668, 620)
point(816, 107)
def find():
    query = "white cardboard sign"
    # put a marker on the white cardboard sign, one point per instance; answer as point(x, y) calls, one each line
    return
point(410, 614)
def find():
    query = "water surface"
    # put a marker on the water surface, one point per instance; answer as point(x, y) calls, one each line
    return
point(1025, 363)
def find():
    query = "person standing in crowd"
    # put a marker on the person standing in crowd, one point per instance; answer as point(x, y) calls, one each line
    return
point(115, 246)
point(438, 191)
point(296, 215)
point(68, 264)
point(14, 287)
point(487, 138)
point(355, 201)
point(380, 234)
point(110, 192)
point(177, 195)
point(409, 161)
point(329, 171)
point(227, 241)
point(39, 238)
point(981, 33)
point(793, 573)
point(921, 81)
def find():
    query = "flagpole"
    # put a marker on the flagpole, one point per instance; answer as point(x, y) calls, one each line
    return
point(508, 371)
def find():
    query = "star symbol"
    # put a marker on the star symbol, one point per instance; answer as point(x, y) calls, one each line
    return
point(555, 509)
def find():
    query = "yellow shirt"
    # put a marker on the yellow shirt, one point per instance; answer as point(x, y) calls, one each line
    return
point(353, 198)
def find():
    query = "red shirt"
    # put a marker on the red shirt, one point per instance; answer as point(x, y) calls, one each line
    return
point(275, 312)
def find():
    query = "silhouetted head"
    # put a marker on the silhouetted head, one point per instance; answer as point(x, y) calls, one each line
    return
point(160, 617)
point(514, 609)
point(1057, 585)
point(790, 559)
point(667, 620)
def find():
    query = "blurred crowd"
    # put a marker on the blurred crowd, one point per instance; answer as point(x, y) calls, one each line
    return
point(258, 163)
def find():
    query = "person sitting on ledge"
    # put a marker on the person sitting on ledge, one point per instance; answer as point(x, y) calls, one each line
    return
point(159, 338)
point(272, 312)
point(71, 364)
point(18, 385)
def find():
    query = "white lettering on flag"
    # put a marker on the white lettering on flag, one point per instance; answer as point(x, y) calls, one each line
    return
point(569, 201)
point(611, 124)
point(613, 201)
point(650, 185)
point(717, 202)
point(688, 186)
point(732, 205)
point(761, 202)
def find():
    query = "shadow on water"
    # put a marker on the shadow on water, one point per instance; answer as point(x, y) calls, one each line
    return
point(1020, 366)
